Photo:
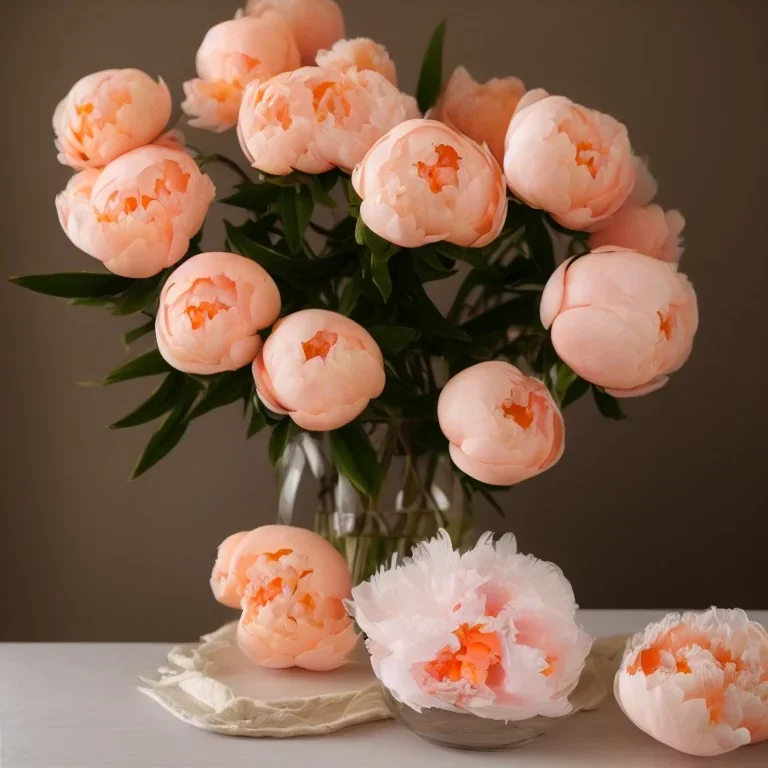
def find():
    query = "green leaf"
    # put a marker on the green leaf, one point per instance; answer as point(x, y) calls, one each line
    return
point(130, 336)
point(279, 439)
point(518, 311)
point(575, 391)
point(74, 285)
point(224, 389)
point(149, 364)
point(257, 421)
point(253, 197)
point(320, 187)
point(607, 404)
point(393, 338)
point(140, 296)
point(355, 457)
point(486, 491)
point(164, 440)
point(161, 401)
point(380, 276)
point(307, 272)
point(540, 243)
point(472, 256)
point(431, 75)
point(568, 385)
point(350, 295)
point(295, 207)
point(418, 305)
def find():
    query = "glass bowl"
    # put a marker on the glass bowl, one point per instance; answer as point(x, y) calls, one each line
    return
point(467, 731)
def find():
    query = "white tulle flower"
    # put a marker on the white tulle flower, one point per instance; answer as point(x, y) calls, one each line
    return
point(490, 631)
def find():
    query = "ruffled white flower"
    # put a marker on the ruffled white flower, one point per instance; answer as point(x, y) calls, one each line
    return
point(490, 631)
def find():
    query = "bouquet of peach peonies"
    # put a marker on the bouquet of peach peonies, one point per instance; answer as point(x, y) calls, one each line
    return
point(317, 315)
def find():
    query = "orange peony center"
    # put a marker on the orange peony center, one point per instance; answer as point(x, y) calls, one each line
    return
point(319, 345)
point(665, 324)
point(477, 655)
point(329, 98)
point(521, 414)
point(267, 593)
point(582, 148)
point(443, 172)
point(172, 179)
point(197, 313)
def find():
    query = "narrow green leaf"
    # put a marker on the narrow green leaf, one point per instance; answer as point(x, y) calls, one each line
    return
point(252, 197)
point(320, 188)
point(431, 75)
point(520, 310)
point(224, 389)
point(381, 277)
point(133, 335)
point(279, 439)
point(307, 272)
point(472, 256)
point(350, 295)
point(257, 421)
point(576, 390)
point(163, 441)
point(607, 404)
point(355, 457)
point(393, 338)
point(428, 316)
point(149, 364)
point(142, 295)
point(295, 207)
point(161, 401)
point(540, 243)
point(74, 285)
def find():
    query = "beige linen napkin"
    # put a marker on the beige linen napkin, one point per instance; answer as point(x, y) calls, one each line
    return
point(211, 685)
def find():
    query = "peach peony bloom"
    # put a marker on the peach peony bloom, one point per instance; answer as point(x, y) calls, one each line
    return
point(361, 53)
point(573, 162)
point(233, 54)
point(503, 427)
point(139, 213)
point(620, 319)
point(314, 119)
point(320, 368)
point(491, 632)
point(316, 24)
point(648, 229)
point(290, 584)
point(480, 111)
point(223, 587)
point(698, 682)
point(108, 113)
point(211, 309)
point(423, 182)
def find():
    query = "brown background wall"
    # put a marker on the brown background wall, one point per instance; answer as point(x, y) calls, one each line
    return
point(666, 509)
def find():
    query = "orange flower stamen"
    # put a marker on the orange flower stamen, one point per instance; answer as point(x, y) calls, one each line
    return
point(198, 312)
point(665, 325)
point(521, 414)
point(319, 345)
point(443, 172)
point(478, 653)
point(589, 162)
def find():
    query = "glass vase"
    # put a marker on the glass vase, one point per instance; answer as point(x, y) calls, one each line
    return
point(420, 494)
point(464, 730)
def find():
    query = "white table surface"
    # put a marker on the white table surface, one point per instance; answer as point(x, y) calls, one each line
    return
point(75, 705)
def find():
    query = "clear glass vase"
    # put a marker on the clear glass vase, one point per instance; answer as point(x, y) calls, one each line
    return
point(464, 730)
point(420, 495)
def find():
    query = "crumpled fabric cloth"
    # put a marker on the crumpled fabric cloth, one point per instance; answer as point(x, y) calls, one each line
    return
point(213, 686)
